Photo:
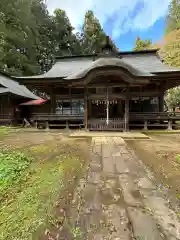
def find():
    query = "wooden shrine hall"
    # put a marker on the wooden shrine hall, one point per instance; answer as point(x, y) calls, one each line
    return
point(108, 90)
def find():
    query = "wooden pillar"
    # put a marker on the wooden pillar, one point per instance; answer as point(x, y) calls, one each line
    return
point(47, 125)
point(51, 104)
point(161, 102)
point(107, 107)
point(126, 115)
point(145, 124)
point(67, 125)
point(170, 124)
point(90, 108)
point(85, 108)
point(70, 97)
point(53, 101)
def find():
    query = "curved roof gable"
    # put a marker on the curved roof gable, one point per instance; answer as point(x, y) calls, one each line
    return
point(109, 62)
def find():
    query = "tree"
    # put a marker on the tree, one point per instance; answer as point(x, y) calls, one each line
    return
point(93, 34)
point(172, 98)
point(66, 41)
point(173, 18)
point(142, 44)
point(170, 52)
point(25, 34)
point(44, 40)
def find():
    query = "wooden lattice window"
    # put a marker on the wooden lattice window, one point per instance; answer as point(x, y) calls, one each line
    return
point(70, 107)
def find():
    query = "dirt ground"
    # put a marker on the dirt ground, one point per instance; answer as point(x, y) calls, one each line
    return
point(161, 155)
point(129, 190)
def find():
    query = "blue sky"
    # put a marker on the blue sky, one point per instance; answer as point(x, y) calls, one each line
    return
point(126, 41)
point(122, 20)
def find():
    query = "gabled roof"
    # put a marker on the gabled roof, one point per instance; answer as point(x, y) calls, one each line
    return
point(11, 86)
point(65, 67)
point(149, 63)
point(139, 63)
point(110, 62)
point(3, 90)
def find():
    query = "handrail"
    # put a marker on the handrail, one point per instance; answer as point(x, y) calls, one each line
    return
point(55, 114)
point(154, 113)
point(6, 116)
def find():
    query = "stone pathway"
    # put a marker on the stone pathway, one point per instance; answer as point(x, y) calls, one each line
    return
point(94, 134)
point(121, 199)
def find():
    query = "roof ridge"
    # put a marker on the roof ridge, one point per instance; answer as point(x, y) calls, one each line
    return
point(118, 54)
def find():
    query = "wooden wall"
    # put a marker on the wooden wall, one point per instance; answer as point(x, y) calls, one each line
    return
point(6, 105)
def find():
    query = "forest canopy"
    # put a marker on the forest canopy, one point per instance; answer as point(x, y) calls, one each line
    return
point(31, 37)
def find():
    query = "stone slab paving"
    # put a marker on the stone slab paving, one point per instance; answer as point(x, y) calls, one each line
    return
point(125, 135)
point(121, 199)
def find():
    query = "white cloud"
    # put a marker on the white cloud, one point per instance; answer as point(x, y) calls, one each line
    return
point(119, 10)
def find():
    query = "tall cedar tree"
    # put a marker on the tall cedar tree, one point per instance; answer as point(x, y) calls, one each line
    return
point(142, 44)
point(25, 27)
point(67, 43)
point(93, 34)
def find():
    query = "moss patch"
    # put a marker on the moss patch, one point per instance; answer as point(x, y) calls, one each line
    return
point(4, 131)
point(29, 206)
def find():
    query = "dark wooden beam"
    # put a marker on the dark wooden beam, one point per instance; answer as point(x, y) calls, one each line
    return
point(123, 95)
point(73, 96)
point(86, 109)
point(126, 115)
point(145, 94)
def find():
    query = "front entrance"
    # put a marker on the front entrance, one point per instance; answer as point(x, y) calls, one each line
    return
point(106, 115)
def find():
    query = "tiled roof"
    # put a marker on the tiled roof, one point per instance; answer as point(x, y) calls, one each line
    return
point(149, 63)
point(140, 63)
point(9, 85)
point(3, 90)
point(110, 62)
point(65, 68)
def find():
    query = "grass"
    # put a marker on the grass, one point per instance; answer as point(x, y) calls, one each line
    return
point(178, 158)
point(12, 166)
point(4, 131)
point(33, 187)
point(148, 132)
